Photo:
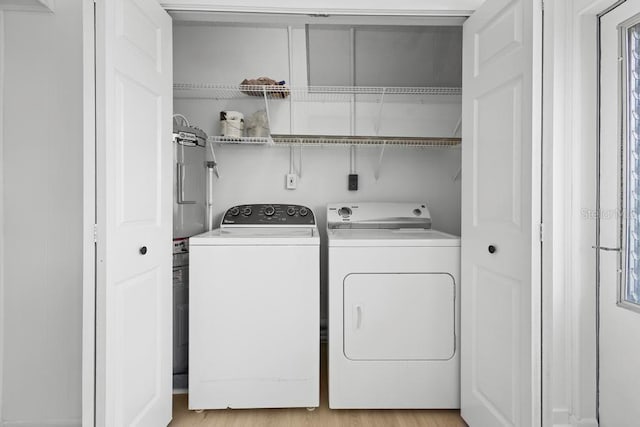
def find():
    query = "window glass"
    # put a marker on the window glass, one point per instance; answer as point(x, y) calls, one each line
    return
point(631, 289)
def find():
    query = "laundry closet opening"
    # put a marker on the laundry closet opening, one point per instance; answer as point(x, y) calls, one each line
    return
point(376, 97)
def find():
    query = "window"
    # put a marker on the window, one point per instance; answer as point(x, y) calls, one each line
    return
point(630, 286)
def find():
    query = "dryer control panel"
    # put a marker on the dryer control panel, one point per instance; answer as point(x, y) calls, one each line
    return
point(269, 215)
point(378, 215)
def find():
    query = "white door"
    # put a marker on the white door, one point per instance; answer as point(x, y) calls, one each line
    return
point(134, 209)
point(619, 284)
point(501, 162)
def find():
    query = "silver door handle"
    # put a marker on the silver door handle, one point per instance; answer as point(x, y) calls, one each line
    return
point(605, 248)
point(181, 200)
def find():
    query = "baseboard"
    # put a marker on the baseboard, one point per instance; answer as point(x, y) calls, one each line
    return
point(562, 418)
point(583, 422)
point(43, 423)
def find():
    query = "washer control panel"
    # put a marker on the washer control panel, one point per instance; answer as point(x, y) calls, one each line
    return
point(269, 214)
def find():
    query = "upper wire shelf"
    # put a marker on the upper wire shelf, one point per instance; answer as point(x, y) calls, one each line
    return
point(302, 93)
point(339, 140)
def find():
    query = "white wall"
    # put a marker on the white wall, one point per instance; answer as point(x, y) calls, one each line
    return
point(557, 394)
point(581, 283)
point(572, 127)
point(42, 227)
point(227, 54)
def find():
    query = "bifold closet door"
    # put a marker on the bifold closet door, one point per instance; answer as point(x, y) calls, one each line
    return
point(501, 164)
point(134, 213)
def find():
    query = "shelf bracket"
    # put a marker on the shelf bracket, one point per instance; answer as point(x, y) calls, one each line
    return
point(379, 121)
point(300, 160)
point(457, 175)
point(376, 173)
point(458, 126)
point(266, 106)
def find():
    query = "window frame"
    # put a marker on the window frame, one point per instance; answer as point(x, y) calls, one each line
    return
point(626, 215)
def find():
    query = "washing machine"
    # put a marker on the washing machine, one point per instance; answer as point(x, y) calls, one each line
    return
point(394, 308)
point(254, 310)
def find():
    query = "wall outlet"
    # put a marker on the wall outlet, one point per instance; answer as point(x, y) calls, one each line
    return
point(353, 182)
point(292, 181)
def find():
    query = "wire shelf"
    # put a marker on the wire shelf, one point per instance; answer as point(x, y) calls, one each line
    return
point(398, 141)
point(338, 140)
point(305, 93)
point(245, 140)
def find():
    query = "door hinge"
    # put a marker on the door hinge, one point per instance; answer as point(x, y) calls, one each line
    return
point(541, 232)
point(95, 233)
point(607, 249)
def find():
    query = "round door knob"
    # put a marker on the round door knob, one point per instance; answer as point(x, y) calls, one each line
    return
point(492, 249)
point(143, 250)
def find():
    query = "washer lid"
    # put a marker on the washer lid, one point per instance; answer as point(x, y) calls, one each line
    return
point(384, 238)
point(258, 236)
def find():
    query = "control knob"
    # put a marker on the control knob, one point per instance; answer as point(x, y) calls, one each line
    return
point(247, 211)
point(344, 212)
point(235, 211)
point(303, 211)
point(291, 211)
point(269, 210)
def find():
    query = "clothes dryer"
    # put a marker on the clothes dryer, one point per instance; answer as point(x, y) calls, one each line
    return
point(394, 320)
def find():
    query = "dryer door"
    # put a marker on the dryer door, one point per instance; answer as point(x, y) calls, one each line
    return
point(399, 316)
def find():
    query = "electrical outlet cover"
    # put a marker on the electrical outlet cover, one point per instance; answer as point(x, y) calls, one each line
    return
point(353, 182)
point(292, 181)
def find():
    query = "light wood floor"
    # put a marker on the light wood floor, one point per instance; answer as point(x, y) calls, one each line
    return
point(322, 416)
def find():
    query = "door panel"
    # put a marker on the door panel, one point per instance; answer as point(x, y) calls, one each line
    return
point(134, 209)
point(619, 338)
point(500, 355)
point(138, 171)
point(498, 156)
point(399, 316)
point(495, 343)
point(138, 346)
point(502, 35)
